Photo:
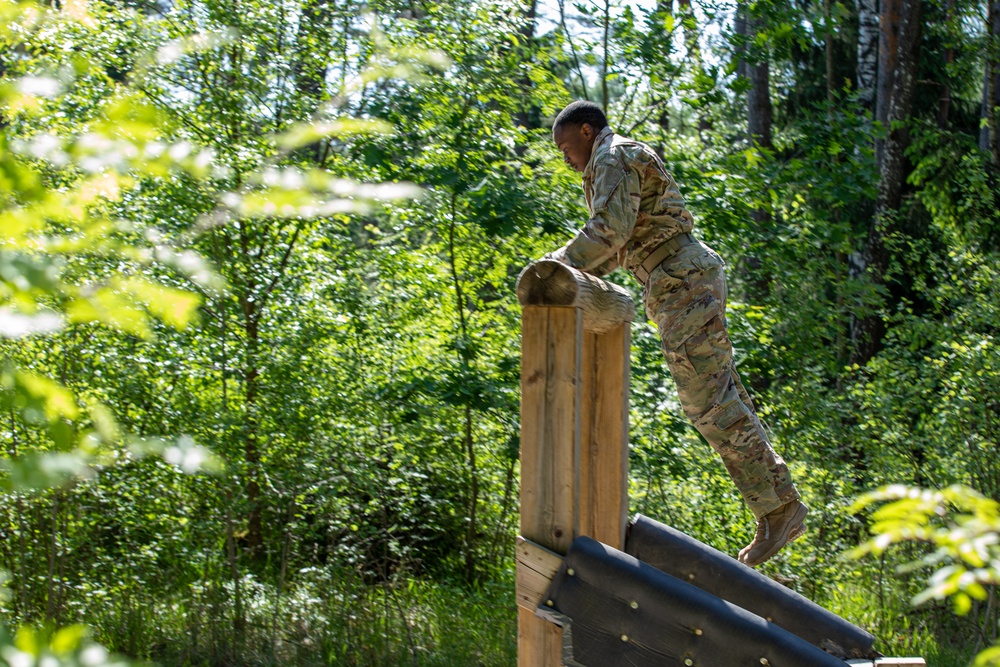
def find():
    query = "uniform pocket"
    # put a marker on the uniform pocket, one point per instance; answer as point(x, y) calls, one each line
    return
point(687, 320)
point(708, 350)
point(708, 261)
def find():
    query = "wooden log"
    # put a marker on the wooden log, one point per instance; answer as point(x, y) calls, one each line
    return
point(604, 436)
point(551, 283)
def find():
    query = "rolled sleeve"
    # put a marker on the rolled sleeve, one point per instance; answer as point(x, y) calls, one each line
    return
point(614, 207)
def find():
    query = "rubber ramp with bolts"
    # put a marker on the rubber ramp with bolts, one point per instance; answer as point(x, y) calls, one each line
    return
point(616, 609)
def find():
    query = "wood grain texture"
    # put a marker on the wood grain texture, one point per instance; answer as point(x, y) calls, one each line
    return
point(604, 436)
point(536, 566)
point(551, 349)
point(551, 283)
point(539, 643)
point(550, 425)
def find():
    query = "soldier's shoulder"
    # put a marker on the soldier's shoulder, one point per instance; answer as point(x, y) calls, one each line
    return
point(629, 150)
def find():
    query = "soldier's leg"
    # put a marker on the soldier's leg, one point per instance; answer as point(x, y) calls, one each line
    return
point(686, 296)
point(714, 399)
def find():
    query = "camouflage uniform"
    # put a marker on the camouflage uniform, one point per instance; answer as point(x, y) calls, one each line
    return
point(635, 206)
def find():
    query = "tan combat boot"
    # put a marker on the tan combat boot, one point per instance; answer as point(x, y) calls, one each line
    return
point(774, 531)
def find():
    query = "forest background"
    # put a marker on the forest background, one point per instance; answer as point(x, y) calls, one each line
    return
point(260, 347)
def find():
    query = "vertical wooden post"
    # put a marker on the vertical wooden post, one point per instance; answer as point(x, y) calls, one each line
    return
point(604, 438)
point(575, 339)
point(551, 348)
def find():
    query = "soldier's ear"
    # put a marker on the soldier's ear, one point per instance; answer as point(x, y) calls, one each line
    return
point(586, 131)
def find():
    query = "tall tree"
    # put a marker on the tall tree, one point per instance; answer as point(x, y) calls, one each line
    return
point(868, 51)
point(755, 66)
point(944, 103)
point(529, 116)
point(989, 138)
point(898, 53)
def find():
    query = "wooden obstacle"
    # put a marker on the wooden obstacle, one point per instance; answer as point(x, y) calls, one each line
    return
point(574, 471)
point(574, 430)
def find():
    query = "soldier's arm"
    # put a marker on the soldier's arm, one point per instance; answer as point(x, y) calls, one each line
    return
point(615, 205)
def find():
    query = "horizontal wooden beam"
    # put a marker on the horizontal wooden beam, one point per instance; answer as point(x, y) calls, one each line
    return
point(550, 283)
point(536, 566)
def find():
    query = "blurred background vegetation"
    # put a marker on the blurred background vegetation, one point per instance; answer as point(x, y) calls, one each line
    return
point(259, 350)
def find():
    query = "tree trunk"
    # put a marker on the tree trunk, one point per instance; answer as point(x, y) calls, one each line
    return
point(605, 41)
point(868, 53)
point(988, 136)
point(694, 57)
point(468, 440)
point(311, 64)
point(758, 71)
point(888, 58)
point(529, 117)
point(754, 272)
point(944, 103)
point(899, 86)
point(251, 378)
point(831, 86)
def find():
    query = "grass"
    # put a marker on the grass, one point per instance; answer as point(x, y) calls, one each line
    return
point(327, 618)
point(330, 616)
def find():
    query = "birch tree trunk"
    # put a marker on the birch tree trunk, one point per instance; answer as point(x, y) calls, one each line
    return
point(868, 53)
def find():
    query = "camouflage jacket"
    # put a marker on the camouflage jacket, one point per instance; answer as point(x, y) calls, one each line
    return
point(634, 204)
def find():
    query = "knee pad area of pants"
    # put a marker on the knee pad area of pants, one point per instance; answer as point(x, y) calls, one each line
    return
point(715, 423)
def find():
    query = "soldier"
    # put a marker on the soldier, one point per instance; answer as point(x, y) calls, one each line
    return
point(638, 220)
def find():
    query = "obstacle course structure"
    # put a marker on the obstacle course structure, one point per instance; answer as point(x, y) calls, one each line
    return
point(593, 589)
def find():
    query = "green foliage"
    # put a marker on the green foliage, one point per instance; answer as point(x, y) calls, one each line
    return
point(212, 257)
point(960, 529)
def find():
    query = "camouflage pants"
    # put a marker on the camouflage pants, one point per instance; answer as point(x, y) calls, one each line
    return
point(686, 297)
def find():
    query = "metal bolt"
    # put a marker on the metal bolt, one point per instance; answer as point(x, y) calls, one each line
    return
point(624, 638)
point(571, 572)
point(697, 631)
point(764, 661)
point(633, 604)
point(549, 603)
point(688, 662)
point(691, 576)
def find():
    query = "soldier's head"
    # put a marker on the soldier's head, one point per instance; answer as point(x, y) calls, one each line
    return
point(575, 129)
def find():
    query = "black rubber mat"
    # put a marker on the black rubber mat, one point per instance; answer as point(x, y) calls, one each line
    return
point(684, 557)
point(617, 611)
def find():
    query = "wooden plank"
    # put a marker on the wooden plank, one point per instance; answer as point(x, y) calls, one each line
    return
point(539, 643)
point(604, 436)
point(589, 378)
point(551, 342)
point(550, 424)
point(889, 662)
point(536, 566)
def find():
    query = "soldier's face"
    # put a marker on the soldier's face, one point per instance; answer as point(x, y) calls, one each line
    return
point(576, 143)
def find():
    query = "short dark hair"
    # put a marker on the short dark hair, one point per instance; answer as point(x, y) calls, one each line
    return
point(580, 112)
